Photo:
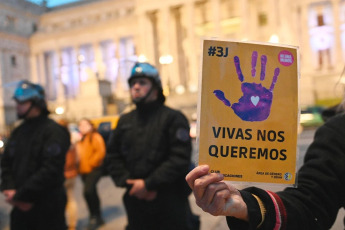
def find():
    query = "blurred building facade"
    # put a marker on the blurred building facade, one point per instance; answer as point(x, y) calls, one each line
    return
point(18, 21)
point(82, 52)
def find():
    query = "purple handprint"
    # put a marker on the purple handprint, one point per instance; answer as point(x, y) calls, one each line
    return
point(255, 104)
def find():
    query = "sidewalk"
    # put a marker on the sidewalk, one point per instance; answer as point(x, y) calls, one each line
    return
point(113, 211)
point(115, 216)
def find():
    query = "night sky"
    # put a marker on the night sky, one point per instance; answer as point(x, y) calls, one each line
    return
point(52, 3)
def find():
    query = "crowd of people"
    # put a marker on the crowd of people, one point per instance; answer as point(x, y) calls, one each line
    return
point(148, 154)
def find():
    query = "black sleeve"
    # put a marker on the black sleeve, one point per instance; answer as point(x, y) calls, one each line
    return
point(178, 162)
point(314, 204)
point(115, 161)
point(55, 143)
point(321, 182)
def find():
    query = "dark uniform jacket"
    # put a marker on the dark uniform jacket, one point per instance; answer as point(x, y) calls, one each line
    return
point(33, 161)
point(151, 143)
point(315, 203)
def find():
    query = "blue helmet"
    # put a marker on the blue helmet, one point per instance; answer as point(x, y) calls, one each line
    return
point(27, 91)
point(144, 69)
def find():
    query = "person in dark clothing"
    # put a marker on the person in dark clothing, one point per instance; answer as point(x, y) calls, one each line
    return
point(149, 153)
point(32, 167)
point(314, 204)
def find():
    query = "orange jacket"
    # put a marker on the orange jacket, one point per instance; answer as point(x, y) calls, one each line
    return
point(91, 151)
point(71, 169)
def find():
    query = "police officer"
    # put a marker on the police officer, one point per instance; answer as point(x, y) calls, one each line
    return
point(149, 153)
point(32, 168)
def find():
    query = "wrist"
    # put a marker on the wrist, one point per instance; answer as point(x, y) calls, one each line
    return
point(243, 213)
point(237, 208)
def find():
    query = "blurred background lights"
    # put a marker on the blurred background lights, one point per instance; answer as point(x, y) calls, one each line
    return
point(59, 110)
point(81, 58)
point(180, 89)
point(166, 59)
point(142, 58)
point(193, 88)
point(274, 38)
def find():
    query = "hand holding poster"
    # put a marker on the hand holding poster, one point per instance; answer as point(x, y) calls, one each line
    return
point(248, 111)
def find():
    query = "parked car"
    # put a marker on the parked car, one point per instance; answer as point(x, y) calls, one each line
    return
point(311, 116)
point(105, 125)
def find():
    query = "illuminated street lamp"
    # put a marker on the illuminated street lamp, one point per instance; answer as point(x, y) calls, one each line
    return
point(193, 88)
point(60, 110)
point(166, 60)
point(180, 89)
point(81, 58)
point(142, 58)
point(274, 38)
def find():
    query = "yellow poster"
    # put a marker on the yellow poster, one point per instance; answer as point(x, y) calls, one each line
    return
point(248, 111)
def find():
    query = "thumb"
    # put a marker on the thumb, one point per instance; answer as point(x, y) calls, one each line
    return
point(129, 181)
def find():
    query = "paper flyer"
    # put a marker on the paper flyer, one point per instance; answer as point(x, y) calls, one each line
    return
point(248, 111)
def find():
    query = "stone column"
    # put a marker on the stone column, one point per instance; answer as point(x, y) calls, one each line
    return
point(34, 65)
point(2, 92)
point(121, 82)
point(305, 38)
point(41, 70)
point(27, 63)
point(245, 25)
point(145, 37)
point(337, 60)
point(289, 15)
point(274, 21)
point(76, 63)
point(60, 85)
point(1, 68)
point(164, 46)
point(153, 37)
point(216, 17)
point(307, 96)
point(173, 67)
point(2, 80)
point(191, 46)
point(100, 67)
